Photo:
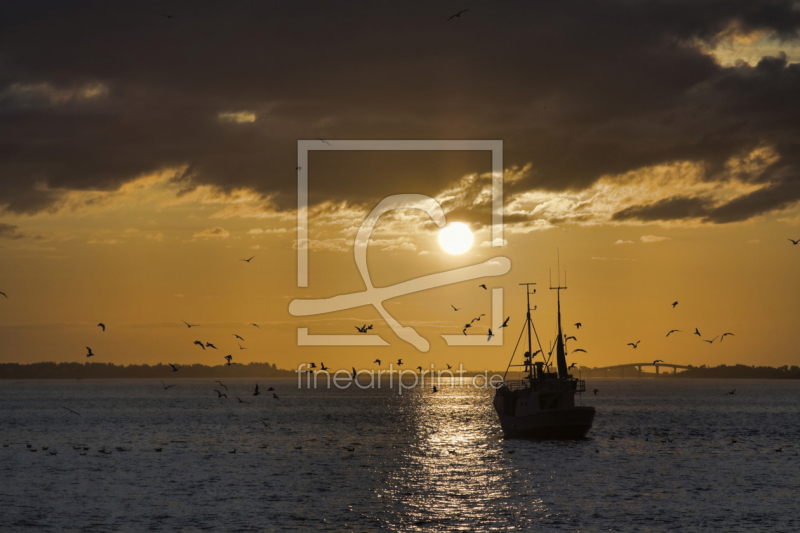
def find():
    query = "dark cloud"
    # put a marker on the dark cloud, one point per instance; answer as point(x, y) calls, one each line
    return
point(772, 197)
point(579, 92)
point(677, 207)
point(9, 231)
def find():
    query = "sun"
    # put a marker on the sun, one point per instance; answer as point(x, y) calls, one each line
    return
point(456, 238)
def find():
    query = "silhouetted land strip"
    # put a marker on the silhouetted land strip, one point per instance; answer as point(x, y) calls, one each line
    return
point(109, 370)
point(721, 371)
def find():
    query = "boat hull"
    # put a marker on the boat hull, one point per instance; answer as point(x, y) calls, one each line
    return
point(567, 423)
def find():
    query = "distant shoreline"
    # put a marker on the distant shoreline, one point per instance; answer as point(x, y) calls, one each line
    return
point(51, 370)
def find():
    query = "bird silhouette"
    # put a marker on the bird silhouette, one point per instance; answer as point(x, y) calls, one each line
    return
point(596, 391)
point(355, 374)
point(70, 410)
point(189, 325)
point(270, 389)
point(399, 362)
point(102, 326)
point(299, 168)
point(579, 350)
point(482, 286)
point(674, 304)
point(467, 326)
point(505, 322)
point(166, 387)
point(464, 331)
point(571, 337)
point(490, 335)
point(240, 400)
point(377, 361)
point(4, 294)
point(323, 367)
point(209, 345)
point(435, 389)
point(673, 331)
point(174, 368)
point(220, 395)
point(419, 368)
point(457, 15)
point(221, 384)
point(697, 332)
point(256, 393)
point(572, 365)
point(448, 366)
point(794, 241)
point(256, 325)
point(323, 140)
point(275, 396)
point(237, 336)
point(200, 344)
point(658, 361)
point(240, 346)
point(247, 260)
point(731, 392)
point(313, 365)
point(711, 341)
point(362, 329)
point(90, 354)
point(733, 441)
point(455, 308)
point(723, 336)
point(228, 359)
point(578, 325)
point(635, 345)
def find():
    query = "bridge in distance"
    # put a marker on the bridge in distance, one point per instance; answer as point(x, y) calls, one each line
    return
point(633, 369)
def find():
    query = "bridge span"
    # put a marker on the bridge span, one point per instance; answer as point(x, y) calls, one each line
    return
point(635, 369)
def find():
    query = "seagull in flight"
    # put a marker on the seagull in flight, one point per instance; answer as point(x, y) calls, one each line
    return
point(505, 323)
point(448, 366)
point(731, 392)
point(490, 335)
point(457, 15)
point(419, 368)
point(572, 366)
point(247, 260)
point(362, 329)
point(189, 325)
point(70, 410)
point(256, 325)
point(221, 384)
point(635, 345)
point(596, 391)
point(658, 361)
point(174, 368)
point(323, 367)
point(241, 347)
point(579, 350)
point(571, 337)
point(200, 344)
point(275, 396)
point(674, 304)
point(455, 308)
point(578, 325)
point(237, 336)
point(4, 294)
point(794, 241)
point(377, 361)
point(482, 286)
point(399, 362)
point(723, 336)
point(101, 325)
point(697, 332)
point(673, 331)
point(166, 387)
point(712, 340)
point(323, 140)
point(90, 354)
point(209, 345)
point(219, 394)
point(228, 359)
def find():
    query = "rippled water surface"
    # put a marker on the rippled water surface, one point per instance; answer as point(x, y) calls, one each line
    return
point(659, 458)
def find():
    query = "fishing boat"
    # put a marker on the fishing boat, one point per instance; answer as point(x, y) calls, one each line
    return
point(541, 405)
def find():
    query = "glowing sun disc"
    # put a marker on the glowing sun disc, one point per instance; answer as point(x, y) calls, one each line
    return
point(456, 238)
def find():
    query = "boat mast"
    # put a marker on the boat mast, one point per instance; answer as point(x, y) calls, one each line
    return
point(561, 358)
point(529, 325)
